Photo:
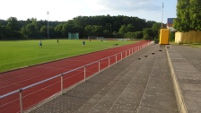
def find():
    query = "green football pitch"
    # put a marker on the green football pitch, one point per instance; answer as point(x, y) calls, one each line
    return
point(17, 54)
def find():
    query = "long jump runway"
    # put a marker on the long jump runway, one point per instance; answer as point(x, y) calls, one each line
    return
point(18, 79)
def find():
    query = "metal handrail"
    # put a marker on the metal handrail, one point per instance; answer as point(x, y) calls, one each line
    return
point(64, 73)
point(46, 80)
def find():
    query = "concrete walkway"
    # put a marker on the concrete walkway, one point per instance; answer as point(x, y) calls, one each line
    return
point(186, 70)
point(140, 83)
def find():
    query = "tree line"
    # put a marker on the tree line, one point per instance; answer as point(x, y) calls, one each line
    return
point(96, 26)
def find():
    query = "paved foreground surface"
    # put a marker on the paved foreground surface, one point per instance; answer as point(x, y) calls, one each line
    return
point(186, 62)
point(133, 85)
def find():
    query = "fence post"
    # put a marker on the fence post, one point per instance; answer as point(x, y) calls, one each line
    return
point(62, 84)
point(21, 103)
point(99, 66)
point(84, 73)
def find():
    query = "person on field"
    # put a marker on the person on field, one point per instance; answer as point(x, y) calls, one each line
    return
point(83, 43)
point(57, 41)
point(40, 44)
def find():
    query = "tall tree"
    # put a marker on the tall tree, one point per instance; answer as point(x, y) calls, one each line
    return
point(58, 30)
point(67, 27)
point(188, 15)
point(148, 34)
point(2, 33)
point(122, 30)
point(138, 34)
point(30, 31)
point(195, 14)
point(156, 29)
point(43, 31)
point(130, 28)
point(13, 24)
point(94, 30)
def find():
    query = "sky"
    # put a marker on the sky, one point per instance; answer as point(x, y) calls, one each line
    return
point(63, 10)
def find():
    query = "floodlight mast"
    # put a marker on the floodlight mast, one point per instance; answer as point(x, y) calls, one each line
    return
point(162, 16)
point(48, 25)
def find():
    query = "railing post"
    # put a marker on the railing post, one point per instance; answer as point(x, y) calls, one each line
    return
point(62, 84)
point(21, 102)
point(84, 73)
point(121, 55)
point(132, 51)
point(108, 61)
point(116, 58)
point(99, 66)
point(128, 52)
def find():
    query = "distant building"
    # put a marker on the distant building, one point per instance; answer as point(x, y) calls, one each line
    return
point(170, 22)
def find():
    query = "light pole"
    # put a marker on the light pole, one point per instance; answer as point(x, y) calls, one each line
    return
point(162, 16)
point(47, 24)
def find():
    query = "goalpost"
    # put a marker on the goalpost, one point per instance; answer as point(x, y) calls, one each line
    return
point(73, 35)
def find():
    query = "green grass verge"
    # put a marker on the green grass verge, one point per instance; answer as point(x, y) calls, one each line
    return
point(17, 54)
point(194, 45)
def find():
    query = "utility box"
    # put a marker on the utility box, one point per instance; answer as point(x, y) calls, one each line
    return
point(164, 36)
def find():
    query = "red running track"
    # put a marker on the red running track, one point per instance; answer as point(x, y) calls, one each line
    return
point(18, 79)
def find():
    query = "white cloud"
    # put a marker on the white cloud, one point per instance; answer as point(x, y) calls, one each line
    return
point(129, 5)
